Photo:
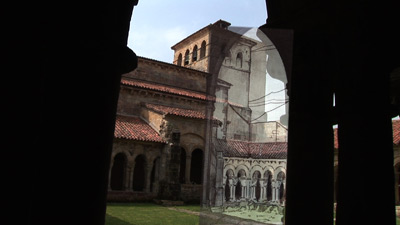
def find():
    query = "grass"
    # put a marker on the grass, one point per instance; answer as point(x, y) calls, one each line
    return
point(148, 214)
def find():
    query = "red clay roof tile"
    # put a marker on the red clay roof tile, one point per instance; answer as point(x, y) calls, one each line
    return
point(244, 149)
point(134, 128)
point(168, 110)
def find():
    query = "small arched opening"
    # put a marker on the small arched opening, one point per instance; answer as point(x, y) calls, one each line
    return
point(118, 172)
point(203, 49)
point(186, 57)
point(139, 173)
point(179, 61)
point(239, 60)
point(194, 54)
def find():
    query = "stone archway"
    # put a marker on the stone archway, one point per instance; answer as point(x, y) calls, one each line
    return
point(139, 176)
point(118, 169)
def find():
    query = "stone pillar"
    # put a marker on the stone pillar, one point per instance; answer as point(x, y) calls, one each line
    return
point(129, 177)
point(187, 169)
point(149, 167)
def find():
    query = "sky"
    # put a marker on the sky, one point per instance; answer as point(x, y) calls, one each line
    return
point(157, 25)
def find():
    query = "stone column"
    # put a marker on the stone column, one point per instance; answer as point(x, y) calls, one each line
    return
point(187, 169)
point(149, 167)
point(129, 177)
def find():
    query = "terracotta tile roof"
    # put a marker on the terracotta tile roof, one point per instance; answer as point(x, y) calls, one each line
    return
point(244, 149)
point(396, 133)
point(134, 128)
point(173, 90)
point(163, 88)
point(168, 110)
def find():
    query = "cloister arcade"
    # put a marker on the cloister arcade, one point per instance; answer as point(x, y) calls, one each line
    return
point(261, 180)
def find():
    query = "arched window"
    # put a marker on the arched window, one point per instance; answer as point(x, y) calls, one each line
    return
point(118, 172)
point(139, 173)
point(187, 57)
point(203, 50)
point(194, 54)
point(239, 60)
point(196, 167)
point(182, 169)
point(179, 62)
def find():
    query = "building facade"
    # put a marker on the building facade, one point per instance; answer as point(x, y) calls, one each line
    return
point(213, 100)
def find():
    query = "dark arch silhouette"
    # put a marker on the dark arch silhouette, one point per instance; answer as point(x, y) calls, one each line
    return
point(203, 49)
point(187, 57)
point(239, 60)
point(196, 167)
point(179, 62)
point(194, 53)
point(118, 172)
point(139, 173)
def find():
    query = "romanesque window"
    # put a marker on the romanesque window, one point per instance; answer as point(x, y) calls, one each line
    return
point(182, 169)
point(118, 172)
point(203, 50)
point(187, 57)
point(196, 167)
point(239, 60)
point(194, 53)
point(179, 62)
point(139, 173)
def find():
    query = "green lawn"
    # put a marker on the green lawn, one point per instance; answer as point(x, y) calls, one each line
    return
point(148, 214)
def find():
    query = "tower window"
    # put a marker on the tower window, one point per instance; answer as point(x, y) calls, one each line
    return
point(239, 60)
point(179, 62)
point(194, 53)
point(203, 50)
point(187, 57)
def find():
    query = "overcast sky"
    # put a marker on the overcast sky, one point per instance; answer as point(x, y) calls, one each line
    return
point(159, 24)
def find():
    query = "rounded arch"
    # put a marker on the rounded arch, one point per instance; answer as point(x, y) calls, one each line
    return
point(239, 60)
point(278, 170)
point(179, 61)
point(118, 171)
point(194, 53)
point(228, 167)
point(270, 169)
point(139, 173)
point(187, 57)
point(203, 49)
point(242, 167)
point(196, 166)
point(255, 168)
